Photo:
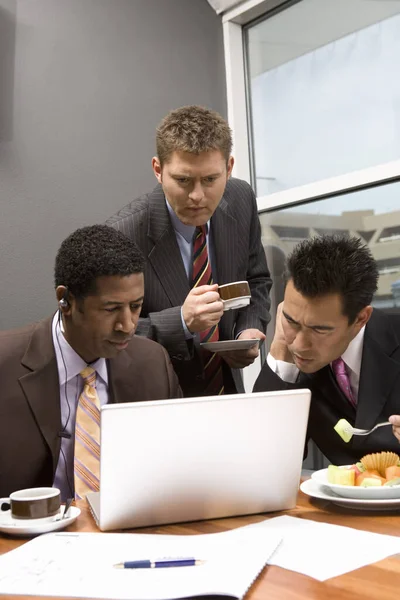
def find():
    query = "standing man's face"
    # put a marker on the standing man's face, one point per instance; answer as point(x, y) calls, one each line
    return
point(194, 184)
point(102, 324)
point(315, 329)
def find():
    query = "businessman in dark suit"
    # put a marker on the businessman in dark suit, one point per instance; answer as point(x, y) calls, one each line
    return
point(328, 338)
point(99, 288)
point(193, 168)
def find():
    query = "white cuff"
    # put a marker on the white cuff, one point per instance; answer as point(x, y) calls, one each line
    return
point(286, 371)
point(188, 334)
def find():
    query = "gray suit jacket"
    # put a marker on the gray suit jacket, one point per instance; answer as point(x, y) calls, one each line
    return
point(30, 415)
point(378, 395)
point(239, 256)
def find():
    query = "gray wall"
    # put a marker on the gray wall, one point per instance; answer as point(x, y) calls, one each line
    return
point(83, 84)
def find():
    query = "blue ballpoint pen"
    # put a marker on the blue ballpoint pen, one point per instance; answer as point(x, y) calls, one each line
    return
point(161, 563)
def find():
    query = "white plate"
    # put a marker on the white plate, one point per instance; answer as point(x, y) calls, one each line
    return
point(312, 488)
point(355, 491)
point(36, 526)
point(225, 345)
point(236, 302)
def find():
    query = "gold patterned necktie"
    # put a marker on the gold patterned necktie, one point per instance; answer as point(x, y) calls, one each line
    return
point(87, 437)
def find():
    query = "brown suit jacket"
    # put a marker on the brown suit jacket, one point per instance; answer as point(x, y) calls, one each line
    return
point(30, 416)
point(239, 255)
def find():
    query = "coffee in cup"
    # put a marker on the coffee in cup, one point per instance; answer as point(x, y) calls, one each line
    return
point(33, 503)
point(235, 295)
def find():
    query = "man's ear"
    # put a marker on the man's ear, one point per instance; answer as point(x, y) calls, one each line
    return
point(157, 170)
point(363, 316)
point(64, 299)
point(229, 166)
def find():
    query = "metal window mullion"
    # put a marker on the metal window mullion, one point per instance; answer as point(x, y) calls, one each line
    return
point(333, 186)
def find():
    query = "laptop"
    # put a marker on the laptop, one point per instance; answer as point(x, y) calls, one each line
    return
point(190, 459)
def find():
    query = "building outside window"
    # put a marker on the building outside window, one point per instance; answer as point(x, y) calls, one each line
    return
point(373, 215)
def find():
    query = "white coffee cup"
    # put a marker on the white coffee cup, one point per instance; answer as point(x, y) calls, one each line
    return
point(235, 295)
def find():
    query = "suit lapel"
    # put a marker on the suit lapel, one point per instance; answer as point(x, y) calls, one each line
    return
point(41, 387)
point(224, 236)
point(378, 370)
point(122, 372)
point(165, 256)
point(324, 381)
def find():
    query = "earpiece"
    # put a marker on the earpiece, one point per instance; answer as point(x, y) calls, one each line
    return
point(63, 303)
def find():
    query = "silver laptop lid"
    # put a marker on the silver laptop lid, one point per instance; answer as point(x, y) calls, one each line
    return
point(201, 458)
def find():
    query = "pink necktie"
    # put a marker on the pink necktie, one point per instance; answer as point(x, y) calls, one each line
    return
point(342, 378)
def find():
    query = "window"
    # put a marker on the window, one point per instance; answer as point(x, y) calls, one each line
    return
point(324, 91)
point(286, 232)
point(314, 105)
point(389, 234)
point(332, 216)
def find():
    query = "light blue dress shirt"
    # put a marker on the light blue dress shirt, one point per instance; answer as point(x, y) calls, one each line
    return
point(69, 365)
point(184, 236)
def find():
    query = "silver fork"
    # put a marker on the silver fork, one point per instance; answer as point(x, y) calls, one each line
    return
point(356, 431)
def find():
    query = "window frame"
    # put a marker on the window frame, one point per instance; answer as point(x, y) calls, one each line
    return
point(239, 118)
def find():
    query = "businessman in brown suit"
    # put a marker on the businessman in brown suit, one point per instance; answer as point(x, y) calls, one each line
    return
point(195, 189)
point(99, 288)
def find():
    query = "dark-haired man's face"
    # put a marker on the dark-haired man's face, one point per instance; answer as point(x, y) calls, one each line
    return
point(194, 184)
point(102, 324)
point(315, 329)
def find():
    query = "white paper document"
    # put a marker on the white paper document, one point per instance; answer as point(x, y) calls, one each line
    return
point(81, 565)
point(322, 550)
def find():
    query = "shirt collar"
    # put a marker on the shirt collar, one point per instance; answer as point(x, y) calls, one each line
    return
point(186, 231)
point(69, 363)
point(353, 353)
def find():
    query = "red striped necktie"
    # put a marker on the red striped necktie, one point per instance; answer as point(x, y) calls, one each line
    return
point(87, 437)
point(201, 275)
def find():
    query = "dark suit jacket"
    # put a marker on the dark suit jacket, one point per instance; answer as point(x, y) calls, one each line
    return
point(30, 416)
point(239, 256)
point(378, 395)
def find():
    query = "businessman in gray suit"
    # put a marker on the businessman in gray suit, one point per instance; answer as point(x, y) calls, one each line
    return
point(196, 195)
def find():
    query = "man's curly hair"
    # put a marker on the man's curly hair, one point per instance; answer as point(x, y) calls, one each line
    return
point(193, 129)
point(93, 252)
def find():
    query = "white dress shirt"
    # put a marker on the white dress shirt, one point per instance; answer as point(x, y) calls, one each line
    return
point(352, 357)
point(69, 365)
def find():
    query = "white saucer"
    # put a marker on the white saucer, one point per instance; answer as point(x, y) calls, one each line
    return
point(225, 345)
point(36, 526)
point(312, 488)
point(236, 302)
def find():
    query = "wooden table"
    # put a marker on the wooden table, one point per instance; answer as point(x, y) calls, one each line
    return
point(380, 581)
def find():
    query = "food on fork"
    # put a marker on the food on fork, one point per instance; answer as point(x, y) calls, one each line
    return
point(346, 431)
point(343, 428)
point(378, 469)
